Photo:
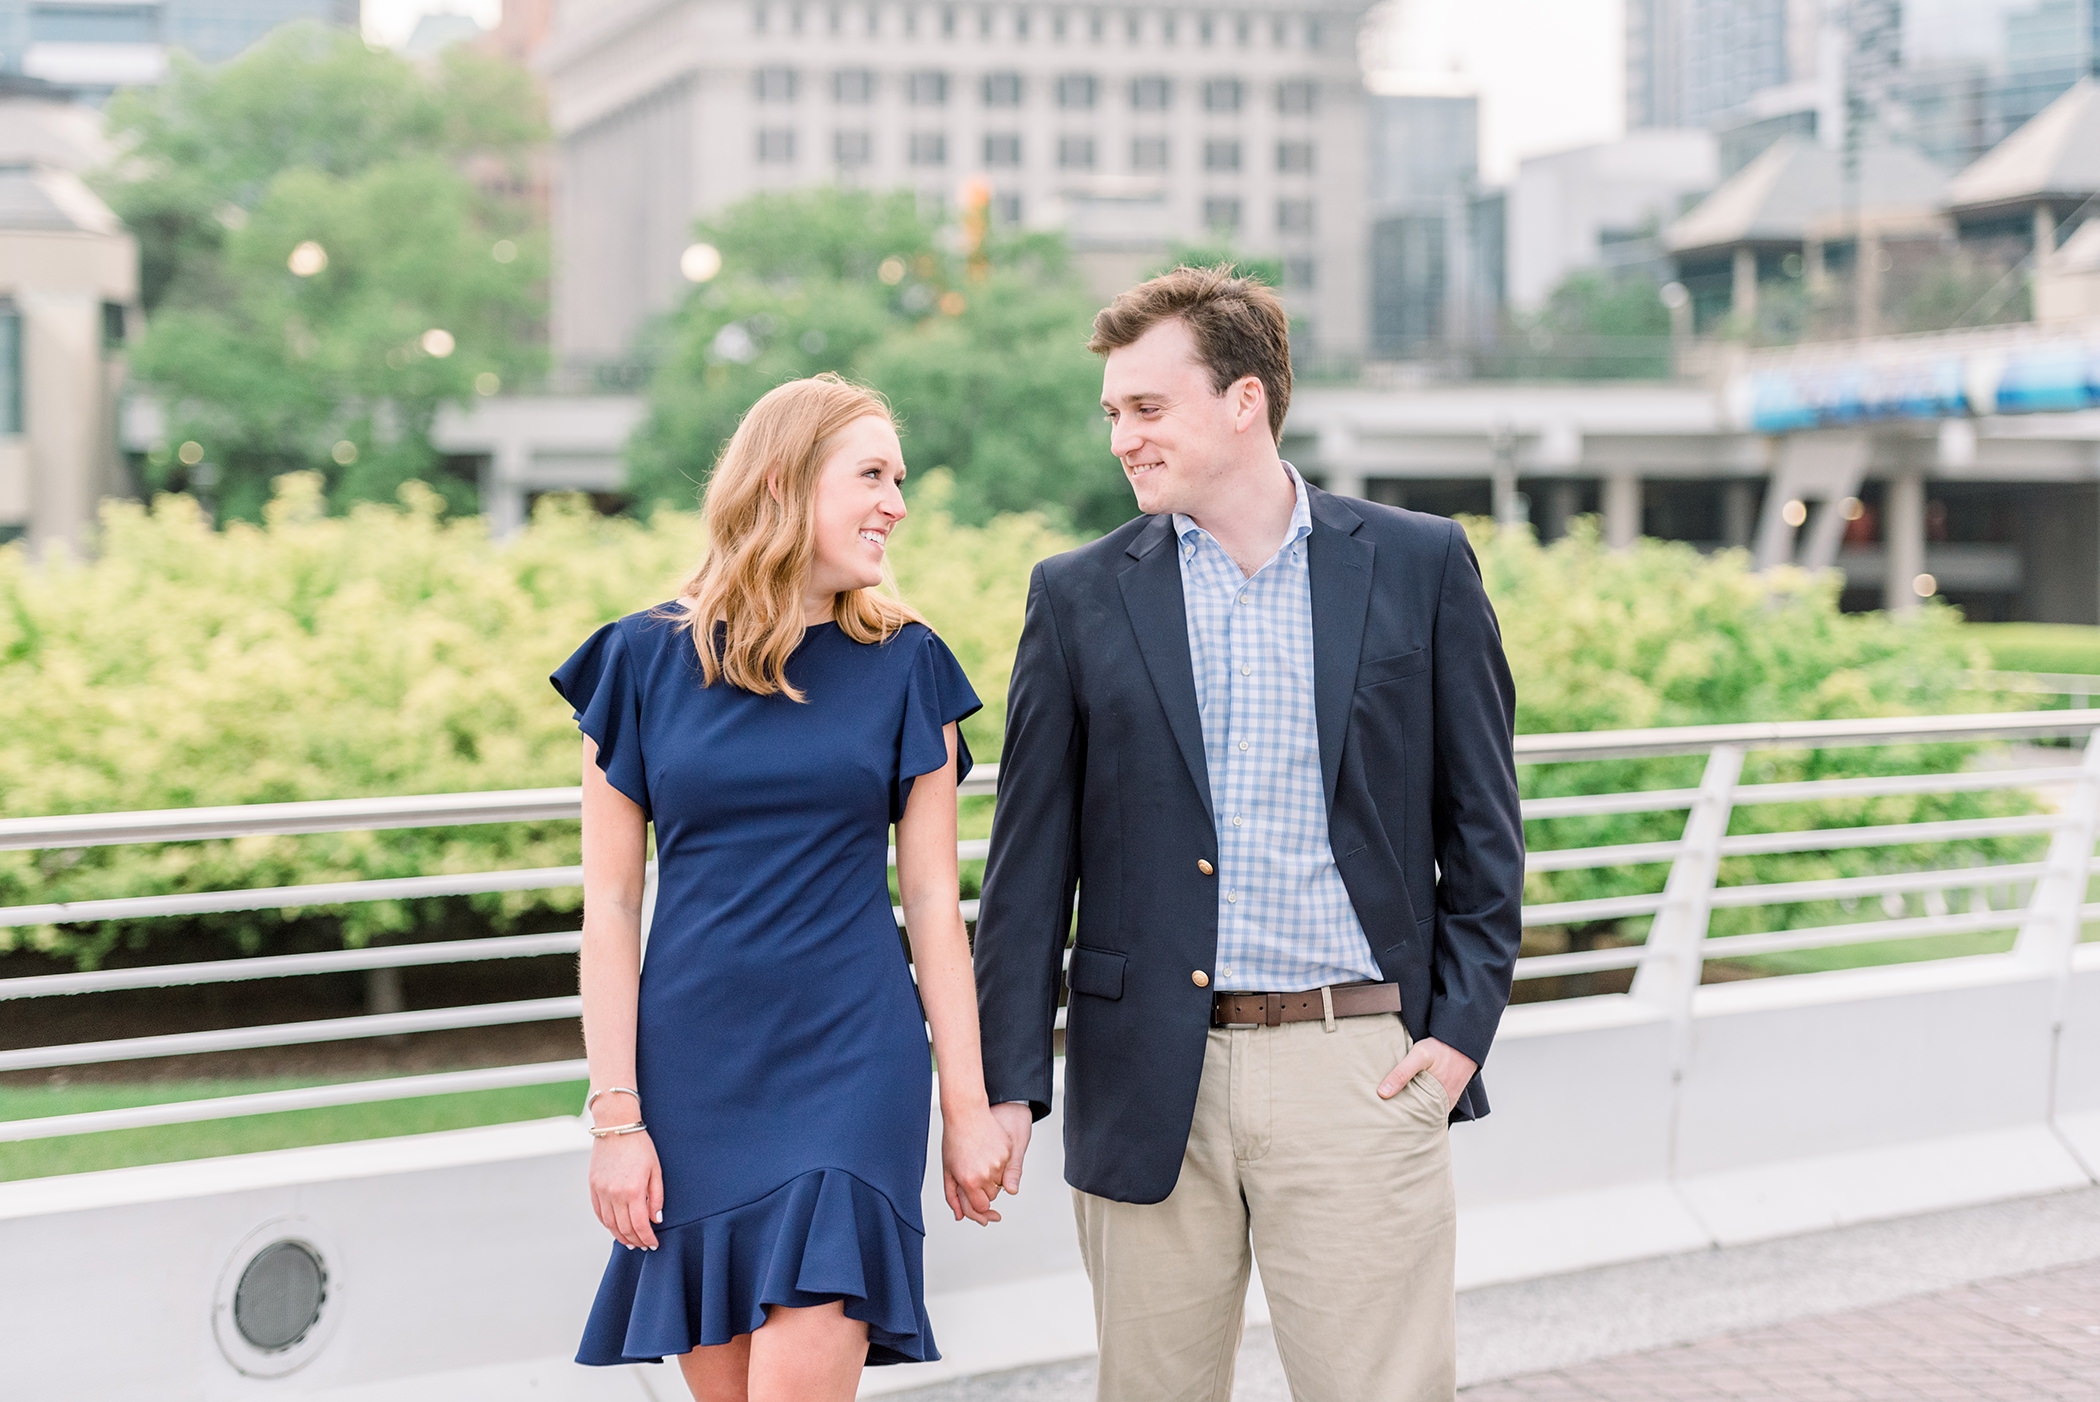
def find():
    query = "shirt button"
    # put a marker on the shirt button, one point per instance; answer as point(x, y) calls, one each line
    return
point(1246, 671)
point(1240, 599)
point(1235, 820)
point(1189, 554)
point(1204, 866)
point(1199, 978)
point(1243, 744)
point(1232, 898)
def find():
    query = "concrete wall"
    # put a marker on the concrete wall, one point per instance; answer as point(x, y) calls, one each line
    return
point(462, 1263)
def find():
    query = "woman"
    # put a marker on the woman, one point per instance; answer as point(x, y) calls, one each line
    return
point(759, 1091)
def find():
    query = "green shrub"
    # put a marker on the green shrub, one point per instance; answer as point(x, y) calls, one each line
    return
point(389, 651)
point(395, 651)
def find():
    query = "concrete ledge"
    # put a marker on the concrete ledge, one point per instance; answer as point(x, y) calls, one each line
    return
point(1902, 1180)
point(1554, 1235)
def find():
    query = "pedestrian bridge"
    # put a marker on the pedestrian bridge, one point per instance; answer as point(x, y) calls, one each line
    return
point(1676, 1115)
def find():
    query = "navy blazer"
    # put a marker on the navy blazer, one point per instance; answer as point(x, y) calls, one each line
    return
point(1103, 790)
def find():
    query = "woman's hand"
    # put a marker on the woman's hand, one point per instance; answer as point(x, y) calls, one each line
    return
point(627, 1187)
point(973, 1160)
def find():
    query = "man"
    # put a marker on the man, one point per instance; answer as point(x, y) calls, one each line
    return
point(1266, 734)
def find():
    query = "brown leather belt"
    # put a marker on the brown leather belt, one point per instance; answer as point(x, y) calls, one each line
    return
point(1269, 1009)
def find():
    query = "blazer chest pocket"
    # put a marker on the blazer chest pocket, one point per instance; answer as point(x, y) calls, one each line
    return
point(1098, 973)
point(1392, 669)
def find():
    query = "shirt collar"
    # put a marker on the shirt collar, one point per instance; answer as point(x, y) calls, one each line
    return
point(1186, 530)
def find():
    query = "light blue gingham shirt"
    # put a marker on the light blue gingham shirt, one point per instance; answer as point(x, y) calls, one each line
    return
point(1284, 919)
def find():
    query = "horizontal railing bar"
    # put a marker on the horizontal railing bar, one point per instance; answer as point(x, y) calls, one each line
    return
point(1759, 844)
point(1619, 854)
point(1838, 887)
point(1863, 932)
point(271, 1102)
point(327, 815)
point(1597, 908)
point(327, 961)
point(1600, 804)
point(289, 1034)
point(969, 913)
point(324, 815)
point(1802, 734)
point(2061, 683)
point(1579, 961)
point(390, 888)
point(1890, 785)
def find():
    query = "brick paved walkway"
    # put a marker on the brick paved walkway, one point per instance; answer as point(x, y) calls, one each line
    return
point(2015, 1339)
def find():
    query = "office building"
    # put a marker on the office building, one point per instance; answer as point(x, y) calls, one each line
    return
point(1601, 206)
point(1426, 288)
point(1132, 129)
point(93, 47)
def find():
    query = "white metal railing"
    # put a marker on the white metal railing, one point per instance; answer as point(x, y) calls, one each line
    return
point(2047, 903)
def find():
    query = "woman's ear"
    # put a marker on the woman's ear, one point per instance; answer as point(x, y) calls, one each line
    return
point(773, 486)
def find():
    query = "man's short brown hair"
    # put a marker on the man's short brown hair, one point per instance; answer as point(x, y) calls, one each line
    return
point(1238, 325)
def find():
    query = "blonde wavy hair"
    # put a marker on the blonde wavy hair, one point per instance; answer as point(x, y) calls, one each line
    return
point(760, 515)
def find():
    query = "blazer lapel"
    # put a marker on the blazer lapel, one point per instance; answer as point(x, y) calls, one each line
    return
point(1152, 594)
point(1339, 565)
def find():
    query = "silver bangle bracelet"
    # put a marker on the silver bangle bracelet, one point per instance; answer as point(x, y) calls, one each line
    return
point(592, 1098)
point(636, 1128)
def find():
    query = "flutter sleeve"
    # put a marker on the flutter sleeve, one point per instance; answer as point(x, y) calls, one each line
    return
point(938, 694)
point(599, 680)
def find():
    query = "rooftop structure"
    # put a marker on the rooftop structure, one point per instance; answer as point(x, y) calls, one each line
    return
point(1600, 206)
point(95, 48)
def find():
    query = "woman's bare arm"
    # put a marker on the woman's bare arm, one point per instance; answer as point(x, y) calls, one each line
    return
point(626, 1182)
point(974, 1149)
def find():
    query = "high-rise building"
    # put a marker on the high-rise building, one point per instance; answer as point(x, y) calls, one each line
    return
point(95, 46)
point(1689, 61)
point(1434, 248)
point(1132, 129)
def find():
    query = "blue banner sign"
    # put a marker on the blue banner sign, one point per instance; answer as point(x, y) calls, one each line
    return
point(2050, 378)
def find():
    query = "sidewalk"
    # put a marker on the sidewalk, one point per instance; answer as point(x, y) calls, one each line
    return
point(1999, 1303)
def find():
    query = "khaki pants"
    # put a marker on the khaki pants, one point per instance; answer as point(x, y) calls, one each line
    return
point(1349, 1205)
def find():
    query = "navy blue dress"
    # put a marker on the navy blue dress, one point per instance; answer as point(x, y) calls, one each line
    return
point(781, 1049)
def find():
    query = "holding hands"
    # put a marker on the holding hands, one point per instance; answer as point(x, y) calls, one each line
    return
point(975, 1162)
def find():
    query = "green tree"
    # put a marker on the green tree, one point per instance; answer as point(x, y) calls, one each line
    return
point(1593, 327)
point(988, 370)
point(271, 356)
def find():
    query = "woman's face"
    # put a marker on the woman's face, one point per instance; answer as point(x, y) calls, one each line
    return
point(858, 504)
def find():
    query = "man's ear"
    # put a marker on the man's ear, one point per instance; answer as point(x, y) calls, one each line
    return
point(1250, 406)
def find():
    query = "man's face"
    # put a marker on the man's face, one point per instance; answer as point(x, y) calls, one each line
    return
point(1175, 436)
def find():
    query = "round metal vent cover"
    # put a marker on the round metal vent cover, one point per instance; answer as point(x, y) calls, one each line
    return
point(279, 1298)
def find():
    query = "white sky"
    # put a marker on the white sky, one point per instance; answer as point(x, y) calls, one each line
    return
point(392, 21)
point(1548, 72)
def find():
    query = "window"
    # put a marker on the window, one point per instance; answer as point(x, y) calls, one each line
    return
point(1294, 157)
point(853, 85)
point(777, 84)
point(1152, 93)
point(1312, 32)
point(1207, 30)
point(1096, 26)
point(1279, 31)
point(1002, 90)
point(1006, 209)
point(1057, 26)
point(1002, 148)
point(926, 89)
point(1299, 273)
point(1075, 152)
point(112, 326)
point(1246, 31)
point(776, 146)
point(758, 18)
point(1297, 97)
point(1294, 216)
point(948, 22)
point(874, 20)
point(1020, 24)
point(852, 149)
point(929, 148)
point(1077, 90)
point(1221, 155)
point(836, 20)
point(1148, 153)
point(984, 23)
point(1221, 95)
point(1221, 214)
point(10, 368)
point(1166, 27)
